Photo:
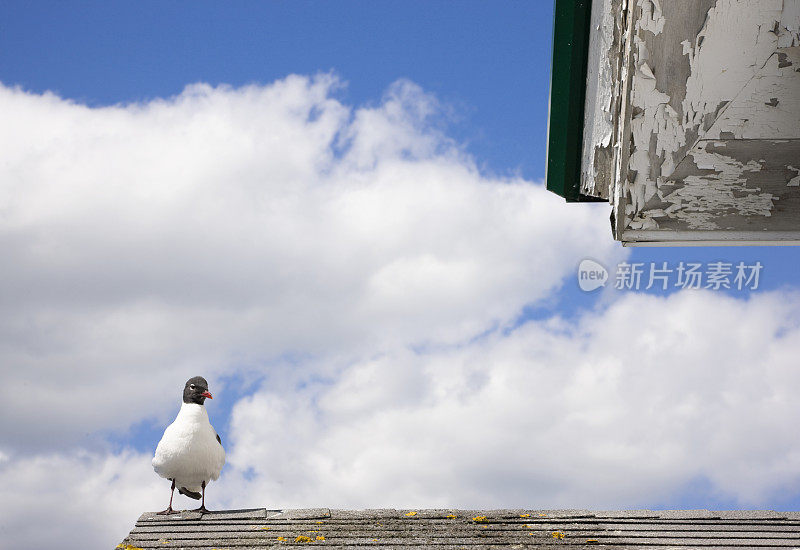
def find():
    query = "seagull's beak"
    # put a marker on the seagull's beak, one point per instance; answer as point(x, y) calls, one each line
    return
point(207, 395)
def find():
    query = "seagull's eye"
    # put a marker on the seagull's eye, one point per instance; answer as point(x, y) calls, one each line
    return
point(192, 386)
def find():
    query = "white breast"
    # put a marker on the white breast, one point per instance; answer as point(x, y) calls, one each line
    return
point(189, 451)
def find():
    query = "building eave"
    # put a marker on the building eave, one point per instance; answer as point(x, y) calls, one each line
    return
point(571, 31)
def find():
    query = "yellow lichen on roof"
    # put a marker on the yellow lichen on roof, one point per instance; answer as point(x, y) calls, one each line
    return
point(427, 529)
point(303, 538)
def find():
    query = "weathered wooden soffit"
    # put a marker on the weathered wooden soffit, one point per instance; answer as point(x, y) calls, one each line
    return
point(688, 121)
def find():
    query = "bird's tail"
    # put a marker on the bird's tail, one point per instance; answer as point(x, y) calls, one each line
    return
point(188, 493)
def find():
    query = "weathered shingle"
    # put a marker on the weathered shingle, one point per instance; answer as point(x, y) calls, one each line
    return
point(470, 529)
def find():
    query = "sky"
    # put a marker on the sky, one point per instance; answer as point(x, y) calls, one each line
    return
point(335, 212)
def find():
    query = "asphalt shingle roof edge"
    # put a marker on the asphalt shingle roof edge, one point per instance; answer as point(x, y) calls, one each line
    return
point(473, 529)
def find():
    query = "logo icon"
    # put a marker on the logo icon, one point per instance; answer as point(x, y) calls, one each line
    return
point(591, 275)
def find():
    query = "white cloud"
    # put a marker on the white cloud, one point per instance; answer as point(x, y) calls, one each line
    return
point(234, 228)
point(623, 410)
point(228, 229)
point(146, 243)
point(75, 500)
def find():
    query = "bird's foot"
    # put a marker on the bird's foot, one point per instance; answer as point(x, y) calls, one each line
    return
point(167, 512)
point(202, 510)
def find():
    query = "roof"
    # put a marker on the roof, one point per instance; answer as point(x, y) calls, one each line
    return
point(685, 116)
point(567, 96)
point(453, 529)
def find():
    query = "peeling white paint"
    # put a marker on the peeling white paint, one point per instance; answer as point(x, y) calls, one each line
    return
point(732, 68)
point(598, 114)
point(703, 142)
point(795, 181)
point(654, 116)
point(652, 16)
point(768, 107)
point(621, 135)
point(699, 201)
point(790, 24)
point(729, 50)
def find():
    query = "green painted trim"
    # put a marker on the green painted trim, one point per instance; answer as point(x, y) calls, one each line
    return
point(571, 27)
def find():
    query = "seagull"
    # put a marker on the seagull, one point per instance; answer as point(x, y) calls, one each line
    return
point(190, 452)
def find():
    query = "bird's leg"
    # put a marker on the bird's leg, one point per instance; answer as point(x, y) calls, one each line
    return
point(202, 508)
point(169, 509)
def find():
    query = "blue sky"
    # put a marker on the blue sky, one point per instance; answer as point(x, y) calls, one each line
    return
point(362, 260)
point(490, 63)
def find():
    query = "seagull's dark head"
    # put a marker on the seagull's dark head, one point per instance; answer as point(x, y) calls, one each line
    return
point(196, 390)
